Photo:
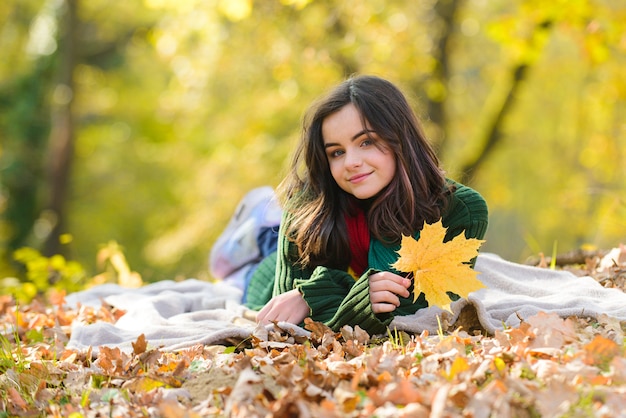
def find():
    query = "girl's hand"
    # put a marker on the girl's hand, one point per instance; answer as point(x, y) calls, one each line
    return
point(385, 287)
point(288, 307)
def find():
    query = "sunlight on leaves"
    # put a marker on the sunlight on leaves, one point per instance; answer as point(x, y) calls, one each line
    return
point(111, 257)
point(298, 4)
point(179, 5)
point(235, 10)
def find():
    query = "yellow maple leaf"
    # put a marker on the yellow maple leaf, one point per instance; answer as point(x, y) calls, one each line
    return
point(439, 267)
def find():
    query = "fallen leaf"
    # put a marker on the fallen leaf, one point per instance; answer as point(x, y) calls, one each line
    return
point(439, 267)
point(601, 351)
point(16, 398)
point(459, 365)
point(57, 297)
point(318, 330)
point(173, 409)
point(143, 384)
point(402, 392)
point(140, 345)
point(551, 330)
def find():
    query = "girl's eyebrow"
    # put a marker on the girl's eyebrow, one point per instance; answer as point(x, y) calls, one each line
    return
point(354, 137)
point(363, 132)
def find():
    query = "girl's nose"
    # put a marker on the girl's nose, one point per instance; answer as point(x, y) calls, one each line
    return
point(353, 159)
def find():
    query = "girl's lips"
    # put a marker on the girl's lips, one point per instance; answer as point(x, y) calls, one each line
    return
point(358, 178)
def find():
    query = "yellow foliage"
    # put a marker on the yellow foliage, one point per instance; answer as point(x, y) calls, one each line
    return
point(235, 10)
point(112, 258)
point(439, 267)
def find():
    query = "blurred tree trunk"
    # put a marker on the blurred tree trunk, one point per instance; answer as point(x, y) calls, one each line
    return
point(61, 142)
point(494, 132)
point(338, 29)
point(24, 129)
point(446, 11)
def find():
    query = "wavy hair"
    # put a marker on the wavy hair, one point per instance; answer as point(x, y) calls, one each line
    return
point(316, 205)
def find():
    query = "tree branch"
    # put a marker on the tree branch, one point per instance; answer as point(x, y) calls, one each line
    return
point(493, 135)
point(494, 132)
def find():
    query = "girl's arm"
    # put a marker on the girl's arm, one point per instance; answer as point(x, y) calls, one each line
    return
point(333, 296)
point(336, 299)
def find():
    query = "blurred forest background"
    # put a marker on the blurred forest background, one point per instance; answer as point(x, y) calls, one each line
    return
point(145, 121)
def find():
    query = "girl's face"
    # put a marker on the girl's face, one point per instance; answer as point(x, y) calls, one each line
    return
point(361, 164)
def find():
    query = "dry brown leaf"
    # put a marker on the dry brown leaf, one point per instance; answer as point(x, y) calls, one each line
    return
point(551, 330)
point(600, 351)
point(439, 267)
point(111, 360)
point(555, 401)
point(17, 399)
point(172, 409)
point(140, 345)
point(57, 297)
point(401, 392)
point(318, 330)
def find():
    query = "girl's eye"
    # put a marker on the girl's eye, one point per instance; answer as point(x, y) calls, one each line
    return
point(334, 153)
point(367, 140)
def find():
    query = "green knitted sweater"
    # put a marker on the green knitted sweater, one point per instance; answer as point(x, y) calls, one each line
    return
point(334, 297)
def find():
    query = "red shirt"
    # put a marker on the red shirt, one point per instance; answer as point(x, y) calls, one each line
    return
point(359, 237)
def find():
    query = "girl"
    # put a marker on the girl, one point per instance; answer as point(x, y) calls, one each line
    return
point(363, 175)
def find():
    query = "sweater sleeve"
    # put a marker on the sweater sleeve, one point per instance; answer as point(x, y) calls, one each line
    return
point(287, 268)
point(336, 299)
point(333, 296)
point(467, 211)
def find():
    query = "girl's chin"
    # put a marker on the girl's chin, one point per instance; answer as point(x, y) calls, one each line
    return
point(363, 195)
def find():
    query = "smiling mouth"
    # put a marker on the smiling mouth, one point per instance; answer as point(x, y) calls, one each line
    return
point(358, 177)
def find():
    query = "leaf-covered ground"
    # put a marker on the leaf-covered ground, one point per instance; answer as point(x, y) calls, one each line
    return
point(548, 366)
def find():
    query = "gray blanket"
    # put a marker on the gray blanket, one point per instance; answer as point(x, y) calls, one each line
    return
point(177, 315)
point(515, 291)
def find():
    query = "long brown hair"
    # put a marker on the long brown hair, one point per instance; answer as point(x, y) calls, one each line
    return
point(315, 204)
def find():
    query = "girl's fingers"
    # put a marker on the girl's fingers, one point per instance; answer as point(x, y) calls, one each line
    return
point(391, 286)
point(385, 288)
point(264, 314)
point(270, 312)
point(384, 297)
point(382, 307)
point(389, 276)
